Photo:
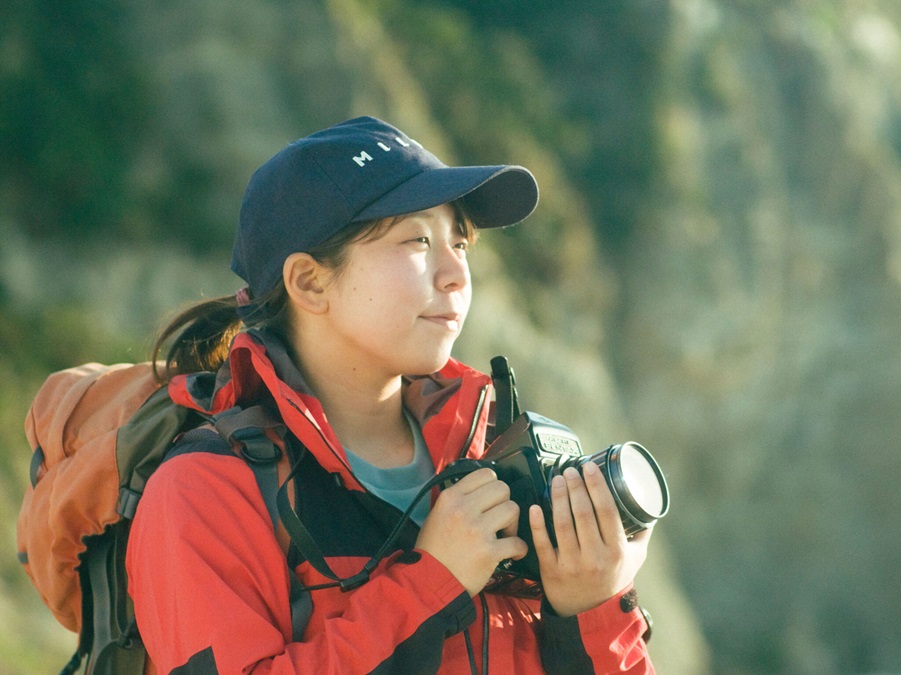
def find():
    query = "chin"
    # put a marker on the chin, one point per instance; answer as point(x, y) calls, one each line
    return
point(429, 365)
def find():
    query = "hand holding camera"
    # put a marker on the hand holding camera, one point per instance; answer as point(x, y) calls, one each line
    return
point(535, 516)
point(593, 559)
point(472, 528)
point(585, 519)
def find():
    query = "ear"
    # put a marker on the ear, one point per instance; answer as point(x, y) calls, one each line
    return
point(305, 282)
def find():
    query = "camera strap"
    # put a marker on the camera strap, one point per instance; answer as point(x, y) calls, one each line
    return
point(311, 551)
point(506, 405)
point(506, 410)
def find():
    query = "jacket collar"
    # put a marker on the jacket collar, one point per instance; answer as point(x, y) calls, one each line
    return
point(450, 405)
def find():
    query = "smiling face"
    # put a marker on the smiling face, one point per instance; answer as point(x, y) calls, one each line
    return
point(399, 302)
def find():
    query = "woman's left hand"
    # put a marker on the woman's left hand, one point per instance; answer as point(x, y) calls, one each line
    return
point(593, 560)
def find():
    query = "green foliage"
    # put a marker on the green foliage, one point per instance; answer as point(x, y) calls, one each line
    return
point(74, 111)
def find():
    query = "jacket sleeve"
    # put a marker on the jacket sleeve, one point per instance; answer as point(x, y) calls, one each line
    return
point(210, 587)
point(606, 639)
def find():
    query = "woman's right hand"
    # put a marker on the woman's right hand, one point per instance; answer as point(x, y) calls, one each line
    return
point(472, 527)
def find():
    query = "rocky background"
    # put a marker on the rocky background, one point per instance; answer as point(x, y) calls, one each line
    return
point(714, 269)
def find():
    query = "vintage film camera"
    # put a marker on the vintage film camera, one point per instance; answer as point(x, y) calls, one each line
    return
point(532, 449)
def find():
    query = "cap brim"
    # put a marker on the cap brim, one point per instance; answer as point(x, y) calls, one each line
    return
point(494, 196)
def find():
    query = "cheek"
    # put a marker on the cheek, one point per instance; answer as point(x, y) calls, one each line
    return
point(466, 301)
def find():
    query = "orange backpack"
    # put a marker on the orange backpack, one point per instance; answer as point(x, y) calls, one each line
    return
point(98, 433)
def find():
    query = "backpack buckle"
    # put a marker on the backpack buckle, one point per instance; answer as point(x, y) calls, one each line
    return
point(248, 428)
point(258, 449)
point(128, 503)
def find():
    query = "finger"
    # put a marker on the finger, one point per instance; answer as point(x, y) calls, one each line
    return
point(502, 518)
point(541, 540)
point(512, 529)
point(606, 513)
point(502, 524)
point(511, 548)
point(473, 481)
point(564, 529)
point(583, 510)
point(480, 490)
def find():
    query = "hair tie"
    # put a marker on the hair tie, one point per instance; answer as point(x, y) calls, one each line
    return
point(247, 310)
point(242, 297)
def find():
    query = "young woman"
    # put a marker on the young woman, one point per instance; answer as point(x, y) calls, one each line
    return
point(353, 243)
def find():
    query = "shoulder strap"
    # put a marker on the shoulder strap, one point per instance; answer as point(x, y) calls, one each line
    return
point(250, 429)
point(247, 428)
point(113, 641)
point(142, 443)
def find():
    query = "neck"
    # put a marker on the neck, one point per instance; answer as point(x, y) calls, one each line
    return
point(363, 407)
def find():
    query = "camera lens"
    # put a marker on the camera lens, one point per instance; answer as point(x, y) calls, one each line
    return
point(637, 484)
point(634, 478)
point(642, 480)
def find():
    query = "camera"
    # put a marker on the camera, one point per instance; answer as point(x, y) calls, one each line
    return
point(531, 451)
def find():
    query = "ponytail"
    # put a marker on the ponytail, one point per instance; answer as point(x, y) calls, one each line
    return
point(203, 333)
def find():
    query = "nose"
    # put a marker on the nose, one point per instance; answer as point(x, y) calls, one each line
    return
point(452, 273)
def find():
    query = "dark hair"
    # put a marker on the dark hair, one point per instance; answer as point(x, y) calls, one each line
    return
point(205, 330)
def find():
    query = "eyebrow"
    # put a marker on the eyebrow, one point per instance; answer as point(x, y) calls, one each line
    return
point(418, 214)
point(459, 218)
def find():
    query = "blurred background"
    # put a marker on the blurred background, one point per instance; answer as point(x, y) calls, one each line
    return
point(714, 269)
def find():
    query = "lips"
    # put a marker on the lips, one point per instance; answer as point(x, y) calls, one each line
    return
point(451, 320)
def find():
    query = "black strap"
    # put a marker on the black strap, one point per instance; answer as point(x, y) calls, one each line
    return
point(109, 631)
point(506, 403)
point(74, 664)
point(301, 607)
point(239, 423)
point(264, 470)
point(300, 535)
point(266, 475)
point(310, 550)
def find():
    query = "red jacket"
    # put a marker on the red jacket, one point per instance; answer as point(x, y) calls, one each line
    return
point(210, 582)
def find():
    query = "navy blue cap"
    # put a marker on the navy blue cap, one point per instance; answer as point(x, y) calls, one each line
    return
point(362, 169)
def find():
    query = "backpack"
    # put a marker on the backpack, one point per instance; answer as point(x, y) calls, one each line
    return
point(97, 433)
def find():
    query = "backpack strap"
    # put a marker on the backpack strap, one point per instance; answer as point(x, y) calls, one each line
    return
point(251, 429)
point(109, 627)
point(247, 428)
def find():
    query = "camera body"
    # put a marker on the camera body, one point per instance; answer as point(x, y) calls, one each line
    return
point(531, 451)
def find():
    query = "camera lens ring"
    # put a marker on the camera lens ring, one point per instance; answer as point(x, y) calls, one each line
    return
point(629, 506)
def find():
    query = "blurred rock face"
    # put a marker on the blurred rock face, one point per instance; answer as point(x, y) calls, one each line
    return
point(714, 269)
point(760, 324)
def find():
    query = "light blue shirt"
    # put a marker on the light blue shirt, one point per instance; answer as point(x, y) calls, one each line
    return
point(398, 485)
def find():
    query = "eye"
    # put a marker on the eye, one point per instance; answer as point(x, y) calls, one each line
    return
point(462, 245)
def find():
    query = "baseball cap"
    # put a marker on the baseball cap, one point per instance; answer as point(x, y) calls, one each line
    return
point(360, 170)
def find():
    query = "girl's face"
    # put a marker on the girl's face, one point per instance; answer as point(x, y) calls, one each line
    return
point(399, 302)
